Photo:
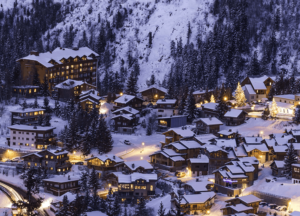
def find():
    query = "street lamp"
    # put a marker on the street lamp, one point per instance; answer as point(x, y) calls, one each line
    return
point(141, 158)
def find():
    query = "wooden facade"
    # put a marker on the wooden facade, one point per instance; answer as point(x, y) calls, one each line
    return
point(249, 201)
point(103, 164)
point(203, 127)
point(235, 120)
point(216, 159)
point(60, 185)
point(27, 116)
point(75, 67)
point(197, 168)
point(152, 94)
point(25, 91)
point(135, 103)
point(296, 173)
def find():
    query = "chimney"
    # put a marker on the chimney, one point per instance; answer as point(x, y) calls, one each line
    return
point(130, 108)
point(230, 130)
point(34, 127)
point(235, 149)
point(209, 117)
point(114, 157)
point(75, 48)
point(133, 165)
point(125, 99)
point(197, 180)
point(33, 52)
point(69, 178)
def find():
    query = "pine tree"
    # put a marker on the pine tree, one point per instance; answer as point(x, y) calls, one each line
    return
point(24, 105)
point(240, 96)
point(149, 128)
point(45, 88)
point(141, 208)
point(221, 108)
point(291, 158)
point(131, 86)
point(83, 182)
point(40, 120)
point(93, 180)
point(46, 106)
point(152, 79)
point(107, 139)
point(161, 210)
point(102, 205)
point(117, 207)
point(297, 114)
point(56, 109)
point(254, 65)
point(181, 106)
point(46, 120)
point(86, 201)
point(35, 103)
point(64, 210)
point(274, 109)
point(212, 99)
point(190, 108)
point(77, 207)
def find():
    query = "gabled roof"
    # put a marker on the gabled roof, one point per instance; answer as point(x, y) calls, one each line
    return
point(249, 89)
point(211, 106)
point(34, 154)
point(258, 82)
point(239, 207)
point(280, 149)
point(199, 186)
point(210, 121)
point(62, 179)
point(226, 142)
point(213, 148)
point(202, 159)
point(30, 128)
point(103, 158)
point(198, 198)
point(226, 132)
point(56, 151)
point(127, 109)
point(69, 84)
point(247, 199)
point(233, 113)
point(278, 164)
point(124, 99)
point(89, 93)
point(286, 96)
point(166, 101)
point(190, 144)
point(260, 147)
point(59, 54)
point(123, 178)
point(201, 92)
point(177, 145)
point(127, 116)
point(253, 140)
point(133, 165)
point(27, 110)
point(182, 132)
point(156, 87)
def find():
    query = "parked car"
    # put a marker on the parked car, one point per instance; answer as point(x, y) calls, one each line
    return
point(263, 204)
point(281, 208)
point(127, 142)
point(272, 206)
point(180, 174)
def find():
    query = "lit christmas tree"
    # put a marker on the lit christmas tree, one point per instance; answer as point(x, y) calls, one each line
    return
point(240, 96)
point(212, 99)
point(274, 109)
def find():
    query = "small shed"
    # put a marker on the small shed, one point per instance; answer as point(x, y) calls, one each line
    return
point(277, 168)
point(208, 125)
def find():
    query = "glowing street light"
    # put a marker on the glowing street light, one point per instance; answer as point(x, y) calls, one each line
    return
point(141, 158)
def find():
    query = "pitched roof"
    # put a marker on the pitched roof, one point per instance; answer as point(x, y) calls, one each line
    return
point(226, 142)
point(30, 128)
point(253, 140)
point(249, 199)
point(133, 165)
point(182, 132)
point(166, 101)
point(211, 106)
point(59, 54)
point(89, 93)
point(198, 198)
point(258, 82)
point(240, 207)
point(190, 144)
point(233, 113)
point(154, 86)
point(128, 109)
point(127, 116)
point(286, 96)
point(69, 84)
point(280, 149)
point(124, 178)
point(210, 121)
point(202, 159)
point(279, 164)
point(107, 157)
point(226, 132)
point(27, 110)
point(124, 99)
point(261, 147)
point(62, 179)
point(249, 89)
point(199, 186)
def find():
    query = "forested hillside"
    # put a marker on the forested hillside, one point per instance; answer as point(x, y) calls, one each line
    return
point(180, 44)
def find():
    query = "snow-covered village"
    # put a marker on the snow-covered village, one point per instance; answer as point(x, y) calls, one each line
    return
point(149, 107)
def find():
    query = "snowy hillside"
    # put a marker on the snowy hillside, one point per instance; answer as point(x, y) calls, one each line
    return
point(166, 21)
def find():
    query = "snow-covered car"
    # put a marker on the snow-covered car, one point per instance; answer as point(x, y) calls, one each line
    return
point(263, 204)
point(127, 142)
point(281, 208)
point(272, 206)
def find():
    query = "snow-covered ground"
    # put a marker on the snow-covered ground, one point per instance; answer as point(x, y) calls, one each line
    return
point(4, 202)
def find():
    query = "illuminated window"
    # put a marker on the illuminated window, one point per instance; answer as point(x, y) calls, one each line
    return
point(67, 67)
point(57, 157)
point(51, 157)
point(29, 91)
point(58, 170)
point(137, 187)
point(151, 187)
point(28, 163)
point(36, 113)
point(46, 156)
point(34, 90)
point(35, 164)
point(51, 168)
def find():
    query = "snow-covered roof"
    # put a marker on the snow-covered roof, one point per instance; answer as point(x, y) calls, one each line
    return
point(296, 146)
point(124, 99)
point(231, 154)
point(62, 179)
point(226, 142)
point(251, 160)
point(166, 101)
point(239, 151)
point(154, 86)
point(261, 147)
point(248, 199)
point(235, 169)
point(177, 158)
point(107, 157)
point(296, 132)
point(172, 117)
point(171, 152)
point(69, 84)
point(240, 207)
point(59, 54)
point(205, 138)
point(258, 82)
point(202, 159)
point(127, 116)
point(35, 154)
point(233, 113)
point(147, 177)
point(199, 186)
point(198, 198)
point(95, 213)
point(201, 92)
point(56, 152)
point(27, 110)
point(181, 132)
point(190, 144)
point(210, 121)
point(226, 132)
point(213, 148)
point(253, 140)
point(249, 89)
point(270, 142)
point(295, 213)
point(89, 93)
point(211, 106)
point(280, 149)
point(30, 128)
point(127, 109)
point(296, 165)
point(283, 140)
point(286, 96)
point(133, 165)
point(177, 145)
point(279, 164)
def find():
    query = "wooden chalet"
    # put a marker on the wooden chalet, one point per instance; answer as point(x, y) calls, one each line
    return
point(153, 93)
point(59, 65)
point(125, 120)
point(89, 99)
point(277, 168)
point(141, 166)
point(25, 91)
point(129, 100)
point(104, 162)
point(176, 134)
point(198, 166)
point(244, 204)
point(198, 186)
point(168, 159)
point(227, 134)
point(165, 123)
point(54, 161)
point(190, 148)
point(234, 117)
point(280, 152)
point(201, 95)
point(210, 110)
point(71, 89)
point(133, 187)
point(166, 107)
point(27, 116)
point(260, 151)
point(61, 184)
point(208, 125)
point(193, 204)
point(296, 173)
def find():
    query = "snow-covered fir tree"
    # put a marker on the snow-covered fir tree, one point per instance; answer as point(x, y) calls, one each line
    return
point(297, 114)
point(212, 99)
point(291, 158)
point(274, 109)
point(190, 108)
